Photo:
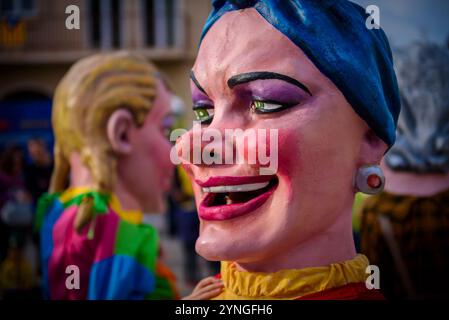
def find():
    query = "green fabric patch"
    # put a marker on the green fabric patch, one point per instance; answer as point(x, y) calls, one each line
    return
point(100, 201)
point(43, 204)
point(138, 241)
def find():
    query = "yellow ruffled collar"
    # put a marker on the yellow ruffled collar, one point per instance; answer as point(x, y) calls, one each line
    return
point(290, 284)
point(131, 216)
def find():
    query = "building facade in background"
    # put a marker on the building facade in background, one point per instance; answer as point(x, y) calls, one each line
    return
point(36, 49)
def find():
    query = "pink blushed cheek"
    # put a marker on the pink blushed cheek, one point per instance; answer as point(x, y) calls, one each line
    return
point(260, 149)
point(289, 153)
point(289, 162)
point(272, 151)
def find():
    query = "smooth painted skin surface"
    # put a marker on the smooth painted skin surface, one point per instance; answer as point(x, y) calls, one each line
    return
point(306, 221)
point(147, 172)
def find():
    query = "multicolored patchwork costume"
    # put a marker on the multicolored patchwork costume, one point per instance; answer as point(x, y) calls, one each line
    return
point(116, 254)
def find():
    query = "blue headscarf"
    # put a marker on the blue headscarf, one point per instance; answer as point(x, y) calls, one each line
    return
point(333, 35)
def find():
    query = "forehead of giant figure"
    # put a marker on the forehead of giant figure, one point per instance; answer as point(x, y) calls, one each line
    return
point(243, 41)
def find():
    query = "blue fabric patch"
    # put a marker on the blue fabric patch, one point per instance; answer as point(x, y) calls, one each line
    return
point(46, 234)
point(333, 34)
point(120, 277)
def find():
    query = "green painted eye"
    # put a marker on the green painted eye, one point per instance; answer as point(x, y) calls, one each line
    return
point(266, 107)
point(204, 115)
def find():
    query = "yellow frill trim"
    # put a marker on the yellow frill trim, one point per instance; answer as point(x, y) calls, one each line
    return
point(131, 216)
point(290, 284)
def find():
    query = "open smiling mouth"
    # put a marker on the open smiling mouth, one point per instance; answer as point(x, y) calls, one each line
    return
point(231, 197)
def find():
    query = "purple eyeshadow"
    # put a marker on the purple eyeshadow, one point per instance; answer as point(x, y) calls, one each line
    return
point(199, 98)
point(276, 90)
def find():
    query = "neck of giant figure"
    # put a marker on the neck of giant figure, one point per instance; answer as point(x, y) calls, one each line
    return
point(81, 177)
point(126, 198)
point(336, 244)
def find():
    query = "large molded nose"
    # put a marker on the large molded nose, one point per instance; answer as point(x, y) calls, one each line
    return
point(203, 146)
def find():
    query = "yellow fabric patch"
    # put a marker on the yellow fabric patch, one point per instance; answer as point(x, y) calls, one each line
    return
point(289, 284)
point(131, 216)
point(73, 192)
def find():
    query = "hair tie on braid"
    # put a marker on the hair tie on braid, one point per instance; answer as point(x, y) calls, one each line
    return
point(85, 213)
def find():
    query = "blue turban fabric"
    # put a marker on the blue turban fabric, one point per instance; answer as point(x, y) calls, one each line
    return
point(333, 35)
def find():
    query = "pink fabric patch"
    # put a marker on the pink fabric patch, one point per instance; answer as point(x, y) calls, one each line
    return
point(106, 226)
point(71, 248)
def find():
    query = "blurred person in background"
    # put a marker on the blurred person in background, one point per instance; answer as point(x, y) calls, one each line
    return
point(17, 214)
point(17, 278)
point(12, 171)
point(38, 172)
point(11, 179)
point(405, 229)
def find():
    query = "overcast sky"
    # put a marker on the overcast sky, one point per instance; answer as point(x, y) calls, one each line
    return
point(407, 20)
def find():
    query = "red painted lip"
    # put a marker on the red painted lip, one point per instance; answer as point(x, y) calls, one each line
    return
point(230, 211)
point(232, 180)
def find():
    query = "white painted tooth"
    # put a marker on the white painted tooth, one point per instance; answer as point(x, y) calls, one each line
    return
point(218, 189)
point(247, 187)
point(237, 188)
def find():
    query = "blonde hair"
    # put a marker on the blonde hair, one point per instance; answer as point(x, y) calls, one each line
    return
point(84, 100)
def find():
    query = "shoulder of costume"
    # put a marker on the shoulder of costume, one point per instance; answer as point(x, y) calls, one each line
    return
point(67, 198)
point(44, 203)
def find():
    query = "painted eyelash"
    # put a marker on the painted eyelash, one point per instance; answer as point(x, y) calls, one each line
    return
point(204, 117)
point(203, 114)
point(257, 106)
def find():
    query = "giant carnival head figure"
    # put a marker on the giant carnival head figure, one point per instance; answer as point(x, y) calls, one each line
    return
point(314, 74)
point(109, 118)
point(422, 144)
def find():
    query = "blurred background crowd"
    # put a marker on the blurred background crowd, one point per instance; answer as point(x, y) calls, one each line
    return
point(36, 49)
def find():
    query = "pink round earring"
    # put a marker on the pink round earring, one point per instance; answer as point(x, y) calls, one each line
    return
point(369, 179)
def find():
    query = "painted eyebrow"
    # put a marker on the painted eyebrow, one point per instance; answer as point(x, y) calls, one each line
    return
point(201, 106)
point(195, 81)
point(264, 75)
